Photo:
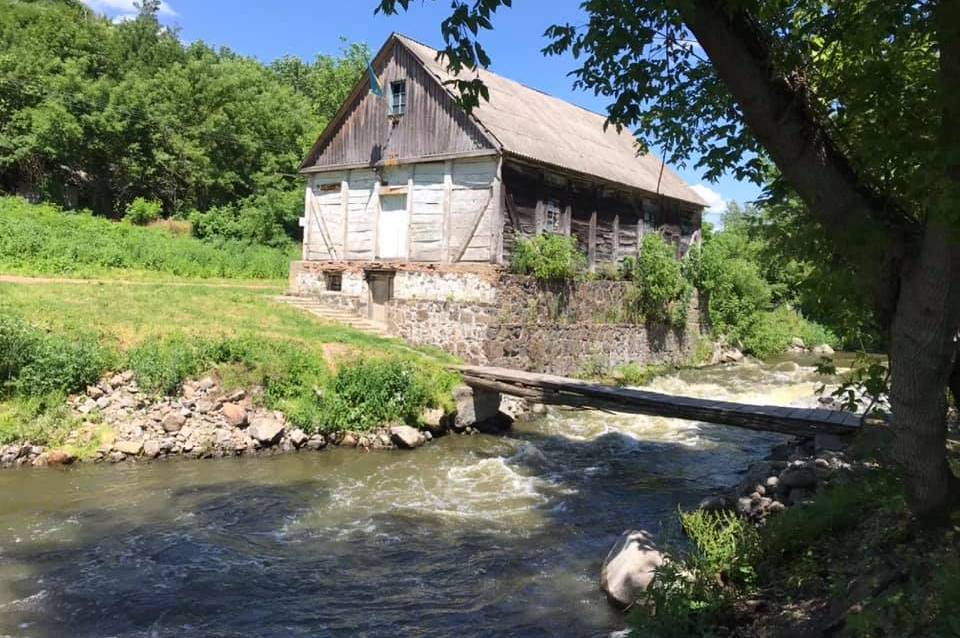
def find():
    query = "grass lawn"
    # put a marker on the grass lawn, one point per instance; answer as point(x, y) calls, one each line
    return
point(129, 314)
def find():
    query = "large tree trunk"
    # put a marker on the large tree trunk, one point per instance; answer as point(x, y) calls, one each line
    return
point(921, 357)
point(912, 271)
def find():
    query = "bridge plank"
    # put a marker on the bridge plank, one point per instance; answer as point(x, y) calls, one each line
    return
point(576, 392)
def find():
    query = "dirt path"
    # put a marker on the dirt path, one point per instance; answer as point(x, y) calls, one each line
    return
point(23, 279)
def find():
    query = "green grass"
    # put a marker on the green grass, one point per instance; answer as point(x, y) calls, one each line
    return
point(40, 239)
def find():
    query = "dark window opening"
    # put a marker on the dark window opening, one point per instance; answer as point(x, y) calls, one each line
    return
point(398, 97)
point(334, 281)
point(553, 219)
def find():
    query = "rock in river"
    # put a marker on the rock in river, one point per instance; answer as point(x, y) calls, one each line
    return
point(407, 437)
point(265, 430)
point(629, 567)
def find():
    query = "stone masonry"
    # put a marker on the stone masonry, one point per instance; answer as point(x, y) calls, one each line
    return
point(486, 316)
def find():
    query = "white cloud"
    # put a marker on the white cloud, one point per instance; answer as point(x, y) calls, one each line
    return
point(715, 201)
point(124, 8)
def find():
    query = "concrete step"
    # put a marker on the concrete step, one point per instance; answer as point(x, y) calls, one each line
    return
point(335, 315)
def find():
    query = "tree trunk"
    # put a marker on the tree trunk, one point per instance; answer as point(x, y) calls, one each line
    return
point(922, 350)
point(913, 275)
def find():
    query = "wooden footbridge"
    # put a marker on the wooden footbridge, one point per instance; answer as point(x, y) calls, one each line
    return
point(549, 389)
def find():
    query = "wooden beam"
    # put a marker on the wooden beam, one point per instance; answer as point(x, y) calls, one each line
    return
point(473, 227)
point(592, 242)
point(445, 222)
point(345, 205)
point(616, 238)
point(410, 183)
point(562, 391)
point(375, 196)
point(496, 219)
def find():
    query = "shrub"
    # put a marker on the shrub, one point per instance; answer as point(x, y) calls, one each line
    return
point(142, 212)
point(33, 363)
point(63, 364)
point(270, 218)
point(660, 291)
point(548, 257)
point(162, 365)
point(688, 595)
point(18, 341)
point(41, 420)
point(368, 393)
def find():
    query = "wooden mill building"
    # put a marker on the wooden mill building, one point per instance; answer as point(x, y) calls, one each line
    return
point(409, 197)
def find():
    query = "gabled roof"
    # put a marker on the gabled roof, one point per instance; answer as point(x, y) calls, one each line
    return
point(541, 128)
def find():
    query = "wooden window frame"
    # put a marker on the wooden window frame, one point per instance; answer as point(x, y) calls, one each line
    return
point(398, 107)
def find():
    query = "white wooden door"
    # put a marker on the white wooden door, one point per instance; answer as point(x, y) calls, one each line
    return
point(393, 227)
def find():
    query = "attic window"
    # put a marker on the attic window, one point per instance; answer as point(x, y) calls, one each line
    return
point(398, 97)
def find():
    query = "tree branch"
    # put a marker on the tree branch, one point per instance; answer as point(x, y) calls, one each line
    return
point(871, 230)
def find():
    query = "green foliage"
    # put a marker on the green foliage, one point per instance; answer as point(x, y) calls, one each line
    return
point(837, 509)
point(371, 392)
point(640, 373)
point(688, 596)
point(548, 257)
point(113, 112)
point(660, 292)
point(141, 212)
point(270, 218)
point(39, 419)
point(40, 239)
point(746, 303)
point(34, 363)
point(866, 388)
point(162, 365)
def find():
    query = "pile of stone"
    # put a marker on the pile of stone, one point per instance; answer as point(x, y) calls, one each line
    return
point(207, 421)
point(797, 345)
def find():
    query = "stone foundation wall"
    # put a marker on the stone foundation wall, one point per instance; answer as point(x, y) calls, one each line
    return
point(489, 317)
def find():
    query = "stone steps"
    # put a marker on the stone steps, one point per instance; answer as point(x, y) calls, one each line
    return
point(335, 315)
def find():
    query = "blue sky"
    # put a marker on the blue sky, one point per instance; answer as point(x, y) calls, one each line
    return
point(270, 29)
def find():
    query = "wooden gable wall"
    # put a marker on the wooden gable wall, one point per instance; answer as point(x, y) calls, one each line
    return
point(433, 125)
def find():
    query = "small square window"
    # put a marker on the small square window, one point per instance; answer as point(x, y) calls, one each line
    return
point(334, 281)
point(398, 97)
point(553, 218)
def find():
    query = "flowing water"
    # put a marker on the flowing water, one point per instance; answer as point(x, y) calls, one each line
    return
point(468, 536)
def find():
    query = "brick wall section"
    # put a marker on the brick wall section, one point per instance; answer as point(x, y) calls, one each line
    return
point(488, 317)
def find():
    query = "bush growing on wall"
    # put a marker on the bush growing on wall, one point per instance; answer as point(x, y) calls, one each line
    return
point(141, 211)
point(548, 257)
point(660, 291)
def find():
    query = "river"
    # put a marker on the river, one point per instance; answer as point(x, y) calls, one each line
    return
point(468, 536)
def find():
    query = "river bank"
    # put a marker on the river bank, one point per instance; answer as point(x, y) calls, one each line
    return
point(117, 421)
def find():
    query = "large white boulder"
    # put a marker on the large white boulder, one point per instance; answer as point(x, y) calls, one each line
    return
point(265, 430)
point(629, 567)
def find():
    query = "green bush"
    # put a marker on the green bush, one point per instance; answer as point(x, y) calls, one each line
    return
point(548, 257)
point(18, 342)
point(689, 595)
point(41, 239)
point(141, 211)
point(41, 420)
point(766, 333)
point(270, 218)
point(162, 365)
point(368, 393)
point(660, 292)
point(34, 363)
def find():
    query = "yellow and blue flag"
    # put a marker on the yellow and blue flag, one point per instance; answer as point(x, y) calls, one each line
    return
point(375, 86)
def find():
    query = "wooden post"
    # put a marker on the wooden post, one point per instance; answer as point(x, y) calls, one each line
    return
point(375, 253)
point(345, 205)
point(616, 238)
point(592, 242)
point(410, 182)
point(496, 219)
point(305, 220)
point(445, 223)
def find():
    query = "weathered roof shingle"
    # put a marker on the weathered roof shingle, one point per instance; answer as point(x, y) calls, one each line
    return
point(533, 125)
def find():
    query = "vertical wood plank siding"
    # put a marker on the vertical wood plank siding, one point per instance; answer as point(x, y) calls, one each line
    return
point(616, 230)
point(432, 124)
